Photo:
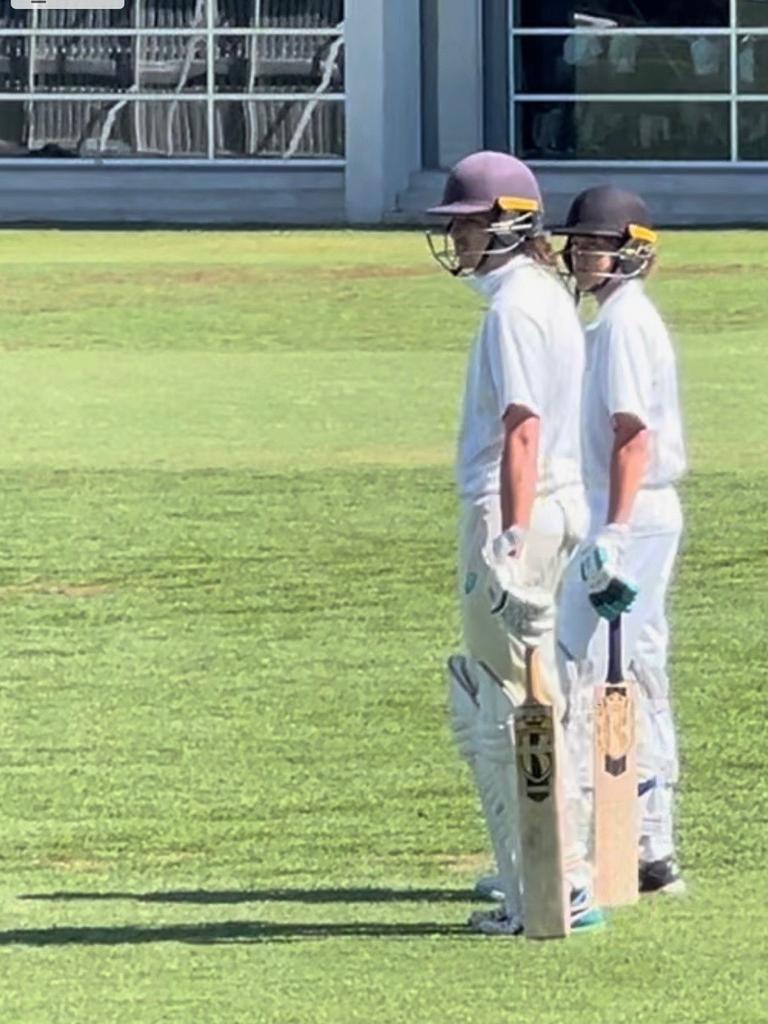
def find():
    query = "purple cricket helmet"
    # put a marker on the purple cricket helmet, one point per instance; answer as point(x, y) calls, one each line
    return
point(499, 186)
point(485, 181)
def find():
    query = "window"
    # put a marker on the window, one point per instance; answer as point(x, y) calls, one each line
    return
point(632, 14)
point(206, 79)
point(640, 81)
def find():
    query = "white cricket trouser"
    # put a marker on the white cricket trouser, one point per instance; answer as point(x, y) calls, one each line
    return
point(649, 559)
point(557, 525)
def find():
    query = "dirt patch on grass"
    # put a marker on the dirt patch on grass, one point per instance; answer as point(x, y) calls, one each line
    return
point(711, 269)
point(52, 588)
point(240, 276)
point(465, 863)
point(76, 865)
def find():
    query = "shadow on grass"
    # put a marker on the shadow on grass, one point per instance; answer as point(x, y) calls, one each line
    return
point(271, 895)
point(222, 932)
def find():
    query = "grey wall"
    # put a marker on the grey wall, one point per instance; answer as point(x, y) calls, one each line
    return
point(696, 198)
point(69, 192)
point(383, 85)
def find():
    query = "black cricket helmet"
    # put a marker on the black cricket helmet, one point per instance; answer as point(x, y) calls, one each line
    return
point(622, 219)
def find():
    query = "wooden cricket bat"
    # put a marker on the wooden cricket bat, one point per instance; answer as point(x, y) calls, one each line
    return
point(541, 800)
point(616, 823)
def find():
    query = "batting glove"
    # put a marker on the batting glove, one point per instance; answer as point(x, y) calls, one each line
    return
point(527, 613)
point(611, 592)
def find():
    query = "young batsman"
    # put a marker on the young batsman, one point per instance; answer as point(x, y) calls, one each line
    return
point(519, 480)
point(633, 457)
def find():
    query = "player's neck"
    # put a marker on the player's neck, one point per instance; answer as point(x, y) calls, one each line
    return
point(608, 289)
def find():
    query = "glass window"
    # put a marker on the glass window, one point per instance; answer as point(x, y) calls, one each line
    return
point(171, 63)
point(279, 63)
point(584, 62)
point(123, 18)
point(206, 48)
point(753, 131)
point(753, 64)
point(280, 13)
point(280, 128)
point(614, 130)
point(752, 13)
point(638, 14)
point(151, 128)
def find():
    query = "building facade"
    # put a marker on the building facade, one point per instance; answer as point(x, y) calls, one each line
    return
point(349, 111)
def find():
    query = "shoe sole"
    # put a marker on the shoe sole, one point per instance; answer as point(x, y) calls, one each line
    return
point(592, 921)
point(676, 888)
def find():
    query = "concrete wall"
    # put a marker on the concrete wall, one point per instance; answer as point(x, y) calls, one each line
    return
point(71, 192)
point(695, 198)
point(383, 84)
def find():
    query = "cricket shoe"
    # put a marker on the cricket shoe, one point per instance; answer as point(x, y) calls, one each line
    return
point(489, 888)
point(585, 916)
point(498, 921)
point(662, 876)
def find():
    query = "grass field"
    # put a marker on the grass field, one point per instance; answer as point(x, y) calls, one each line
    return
point(227, 785)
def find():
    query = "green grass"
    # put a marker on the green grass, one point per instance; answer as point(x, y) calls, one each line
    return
point(228, 789)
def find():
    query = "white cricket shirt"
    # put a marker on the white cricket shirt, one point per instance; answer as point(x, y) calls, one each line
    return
point(631, 368)
point(529, 352)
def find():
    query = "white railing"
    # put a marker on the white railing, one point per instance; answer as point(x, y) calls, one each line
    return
point(174, 94)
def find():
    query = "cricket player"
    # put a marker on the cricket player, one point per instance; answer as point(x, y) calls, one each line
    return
point(520, 486)
point(634, 455)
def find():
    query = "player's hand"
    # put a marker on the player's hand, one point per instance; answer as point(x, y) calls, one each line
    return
point(525, 612)
point(611, 591)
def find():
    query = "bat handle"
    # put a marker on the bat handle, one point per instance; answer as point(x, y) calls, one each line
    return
point(615, 669)
point(534, 690)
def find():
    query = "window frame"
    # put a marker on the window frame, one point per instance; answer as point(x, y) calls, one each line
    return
point(733, 32)
point(211, 96)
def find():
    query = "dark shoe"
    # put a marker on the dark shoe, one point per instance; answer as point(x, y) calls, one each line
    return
point(661, 876)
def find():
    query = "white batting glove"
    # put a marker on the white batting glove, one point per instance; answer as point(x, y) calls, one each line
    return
point(508, 544)
point(610, 590)
point(527, 613)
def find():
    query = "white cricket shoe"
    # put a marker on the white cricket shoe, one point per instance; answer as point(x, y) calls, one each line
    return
point(584, 917)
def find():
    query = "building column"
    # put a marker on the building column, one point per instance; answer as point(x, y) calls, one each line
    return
point(460, 79)
point(383, 120)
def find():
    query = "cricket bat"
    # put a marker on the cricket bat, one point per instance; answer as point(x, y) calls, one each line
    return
point(541, 802)
point(616, 823)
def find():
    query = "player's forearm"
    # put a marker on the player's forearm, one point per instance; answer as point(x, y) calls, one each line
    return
point(519, 473)
point(629, 463)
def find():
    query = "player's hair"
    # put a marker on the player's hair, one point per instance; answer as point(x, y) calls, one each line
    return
point(540, 249)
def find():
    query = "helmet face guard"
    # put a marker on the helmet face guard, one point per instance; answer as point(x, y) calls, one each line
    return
point(632, 255)
point(516, 220)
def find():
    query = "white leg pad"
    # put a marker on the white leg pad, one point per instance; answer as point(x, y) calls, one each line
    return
point(489, 751)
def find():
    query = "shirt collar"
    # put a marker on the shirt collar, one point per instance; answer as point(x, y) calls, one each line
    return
point(489, 284)
point(624, 291)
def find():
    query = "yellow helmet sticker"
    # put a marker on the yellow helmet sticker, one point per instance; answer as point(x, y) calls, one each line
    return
point(640, 234)
point(511, 204)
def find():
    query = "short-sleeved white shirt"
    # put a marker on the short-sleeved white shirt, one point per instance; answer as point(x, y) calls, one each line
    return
point(529, 352)
point(631, 368)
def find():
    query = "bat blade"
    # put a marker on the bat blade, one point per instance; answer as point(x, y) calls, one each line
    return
point(538, 746)
point(616, 825)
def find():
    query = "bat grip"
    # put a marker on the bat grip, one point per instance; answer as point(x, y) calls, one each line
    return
point(534, 689)
point(615, 670)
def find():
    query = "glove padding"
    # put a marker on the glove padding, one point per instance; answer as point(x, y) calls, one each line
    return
point(525, 612)
point(610, 590)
